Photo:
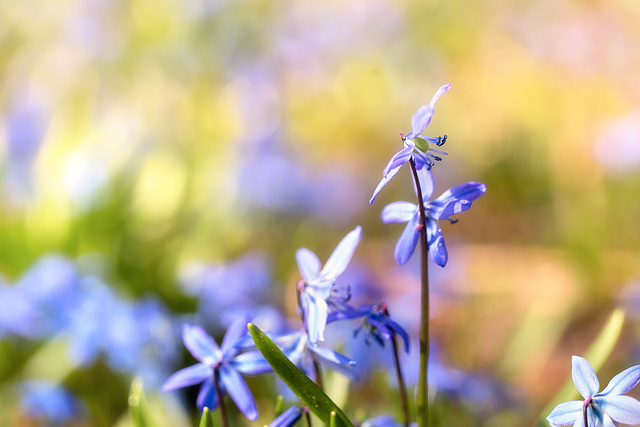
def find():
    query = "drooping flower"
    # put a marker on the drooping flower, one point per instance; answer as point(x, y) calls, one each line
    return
point(416, 146)
point(377, 323)
point(453, 201)
point(316, 286)
point(226, 363)
point(604, 409)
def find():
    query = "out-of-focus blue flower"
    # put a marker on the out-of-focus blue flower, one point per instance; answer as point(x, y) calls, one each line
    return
point(316, 286)
point(298, 347)
point(606, 408)
point(416, 147)
point(377, 322)
point(17, 316)
point(453, 201)
point(226, 292)
point(383, 421)
point(49, 402)
point(225, 362)
point(288, 417)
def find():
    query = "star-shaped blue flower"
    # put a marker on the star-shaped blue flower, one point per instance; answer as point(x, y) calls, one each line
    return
point(315, 288)
point(225, 361)
point(453, 201)
point(416, 146)
point(604, 409)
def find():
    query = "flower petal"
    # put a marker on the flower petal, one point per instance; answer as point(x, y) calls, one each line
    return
point(623, 382)
point(566, 413)
point(188, 376)
point(623, 409)
point(239, 392)
point(398, 212)
point(421, 119)
point(435, 240)
point(341, 256)
point(407, 242)
point(200, 344)
point(426, 183)
point(441, 91)
point(236, 331)
point(315, 315)
point(399, 330)
point(207, 396)
point(308, 264)
point(385, 179)
point(584, 378)
point(251, 362)
point(455, 200)
point(398, 159)
point(288, 417)
point(334, 360)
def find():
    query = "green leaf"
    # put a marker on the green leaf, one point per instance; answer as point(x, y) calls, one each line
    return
point(206, 420)
point(597, 354)
point(278, 406)
point(138, 405)
point(308, 391)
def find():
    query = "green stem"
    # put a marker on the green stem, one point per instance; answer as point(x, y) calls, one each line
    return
point(223, 411)
point(423, 387)
point(401, 387)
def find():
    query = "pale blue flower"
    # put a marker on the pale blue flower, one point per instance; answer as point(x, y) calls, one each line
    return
point(416, 146)
point(315, 288)
point(453, 201)
point(226, 361)
point(604, 409)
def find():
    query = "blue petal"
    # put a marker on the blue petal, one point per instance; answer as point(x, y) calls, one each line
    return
point(398, 159)
point(308, 264)
point(385, 179)
point(435, 240)
point(236, 331)
point(207, 395)
point(348, 313)
point(566, 413)
point(399, 330)
point(341, 256)
point(201, 345)
point(315, 314)
point(623, 409)
point(239, 392)
point(288, 417)
point(407, 242)
point(425, 177)
point(455, 200)
point(420, 120)
point(398, 212)
point(623, 382)
point(584, 378)
point(251, 362)
point(335, 361)
point(188, 376)
point(441, 91)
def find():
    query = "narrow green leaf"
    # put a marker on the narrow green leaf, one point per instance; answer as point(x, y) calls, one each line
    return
point(138, 405)
point(596, 355)
point(332, 419)
point(206, 420)
point(308, 391)
point(278, 406)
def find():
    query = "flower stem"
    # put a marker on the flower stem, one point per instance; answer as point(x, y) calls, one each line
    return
point(316, 367)
point(223, 411)
point(307, 416)
point(584, 411)
point(423, 387)
point(401, 387)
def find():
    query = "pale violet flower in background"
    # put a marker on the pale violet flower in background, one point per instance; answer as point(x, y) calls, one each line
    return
point(226, 361)
point(604, 409)
point(416, 146)
point(316, 285)
point(453, 201)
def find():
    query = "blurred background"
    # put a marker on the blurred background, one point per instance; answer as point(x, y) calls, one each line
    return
point(161, 162)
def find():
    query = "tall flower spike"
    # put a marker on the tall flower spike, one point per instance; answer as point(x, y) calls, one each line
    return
point(416, 146)
point(315, 288)
point(453, 201)
point(604, 409)
point(226, 360)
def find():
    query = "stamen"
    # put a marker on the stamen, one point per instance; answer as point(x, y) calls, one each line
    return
point(441, 140)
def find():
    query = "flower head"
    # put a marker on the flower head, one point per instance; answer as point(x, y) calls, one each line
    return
point(604, 409)
point(226, 362)
point(316, 286)
point(416, 146)
point(453, 201)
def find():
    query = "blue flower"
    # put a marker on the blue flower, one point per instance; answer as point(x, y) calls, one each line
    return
point(316, 286)
point(50, 402)
point(225, 362)
point(604, 409)
point(455, 200)
point(288, 418)
point(416, 146)
point(377, 322)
